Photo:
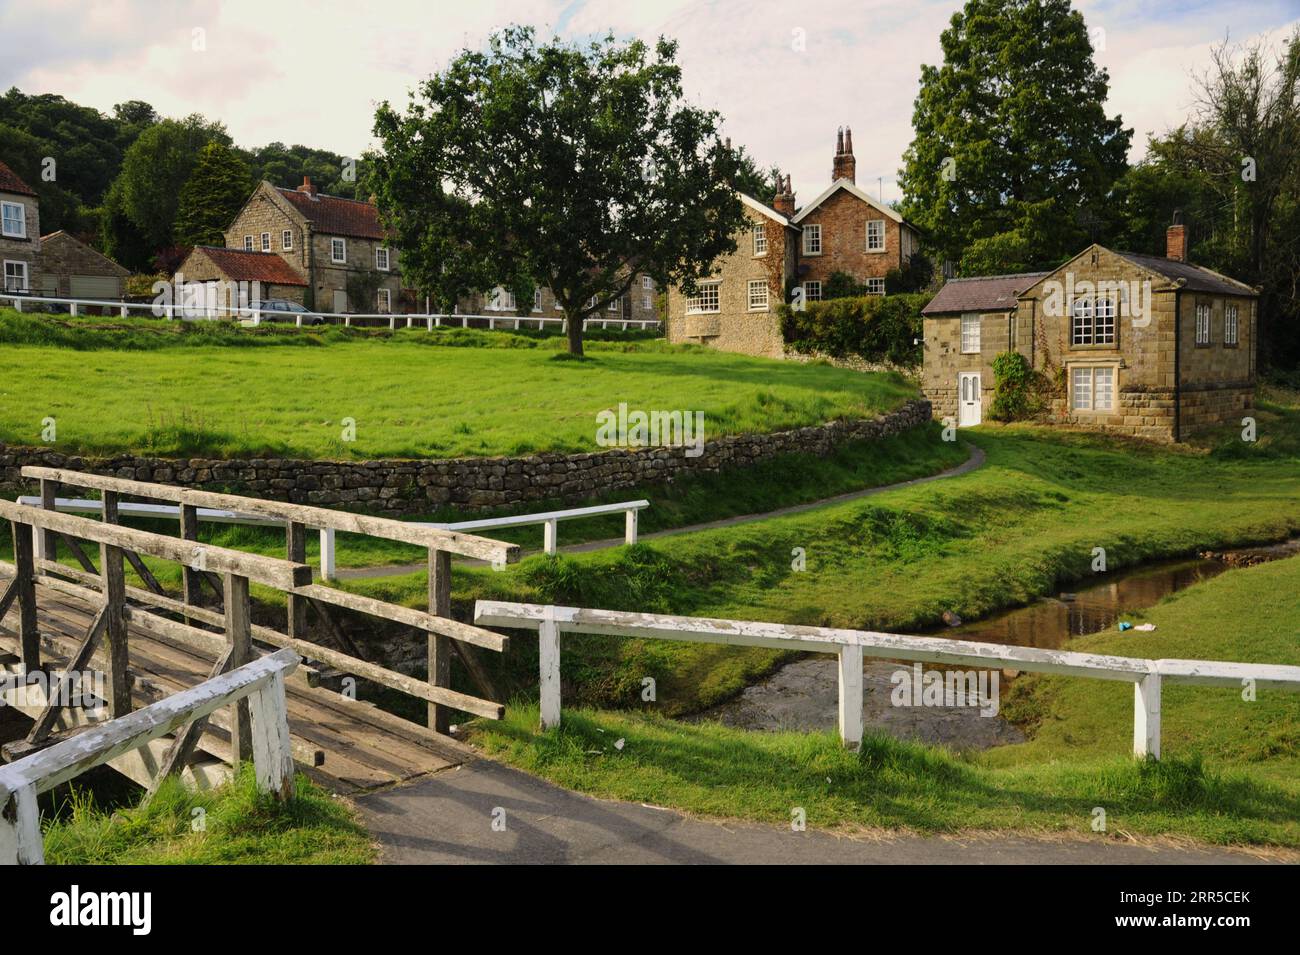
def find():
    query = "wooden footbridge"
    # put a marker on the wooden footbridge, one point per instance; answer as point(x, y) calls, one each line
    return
point(149, 644)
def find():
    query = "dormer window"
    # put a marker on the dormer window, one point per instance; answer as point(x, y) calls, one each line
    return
point(13, 220)
point(338, 250)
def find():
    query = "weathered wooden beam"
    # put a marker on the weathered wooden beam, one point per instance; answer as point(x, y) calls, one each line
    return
point(851, 700)
point(296, 552)
point(477, 670)
point(76, 665)
point(266, 570)
point(49, 540)
point(346, 643)
point(548, 656)
point(183, 744)
point(429, 622)
point(25, 580)
point(74, 546)
point(191, 588)
point(8, 596)
point(439, 655)
point(239, 637)
point(115, 631)
point(466, 545)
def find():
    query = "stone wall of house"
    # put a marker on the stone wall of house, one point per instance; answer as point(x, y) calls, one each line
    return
point(359, 254)
point(944, 359)
point(62, 256)
point(1209, 406)
point(1142, 414)
point(735, 327)
point(263, 214)
point(406, 487)
point(26, 250)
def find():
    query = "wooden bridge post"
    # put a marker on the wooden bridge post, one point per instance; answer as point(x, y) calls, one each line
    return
point(272, 748)
point(239, 638)
point(851, 700)
point(439, 645)
point(548, 656)
point(191, 586)
point(296, 551)
point(25, 582)
point(112, 569)
point(48, 546)
point(1146, 716)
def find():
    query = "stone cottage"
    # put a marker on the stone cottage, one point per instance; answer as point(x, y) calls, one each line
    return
point(1148, 346)
point(217, 278)
point(72, 269)
point(327, 241)
point(844, 230)
point(20, 232)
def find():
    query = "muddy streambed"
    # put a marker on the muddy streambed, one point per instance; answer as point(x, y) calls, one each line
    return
point(803, 695)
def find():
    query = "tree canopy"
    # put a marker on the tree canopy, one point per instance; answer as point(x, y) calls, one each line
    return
point(212, 196)
point(1013, 155)
point(574, 167)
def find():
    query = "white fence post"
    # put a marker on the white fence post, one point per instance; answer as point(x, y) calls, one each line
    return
point(629, 527)
point(1146, 716)
point(327, 553)
point(548, 653)
point(272, 751)
point(850, 657)
point(72, 310)
point(20, 828)
point(549, 534)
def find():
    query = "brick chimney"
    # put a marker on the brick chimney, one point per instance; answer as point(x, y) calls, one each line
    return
point(1176, 239)
point(783, 201)
point(307, 186)
point(844, 166)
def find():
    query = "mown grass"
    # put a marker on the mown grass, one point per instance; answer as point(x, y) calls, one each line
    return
point(231, 825)
point(207, 390)
point(1228, 775)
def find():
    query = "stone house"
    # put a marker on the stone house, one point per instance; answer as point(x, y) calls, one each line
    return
point(72, 269)
point(20, 233)
point(250, 275)
point(638, 304)
point(1148, 346)
point(327, 240)
point(844, 230)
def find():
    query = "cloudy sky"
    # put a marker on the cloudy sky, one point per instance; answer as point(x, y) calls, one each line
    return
point(312, 72)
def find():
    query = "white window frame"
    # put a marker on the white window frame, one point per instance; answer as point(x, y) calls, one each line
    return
point(342, 257)
point(648, 302)
point(5, 220)
point(248, 243)
point(266, 241)
point(647, 283)
point(1204, 323)
point(875, 286)
point(384, 300)
point(758, 295)
point(1085, 391)
point(972, 327)
point(1231, 325)
point(1092, 321)
point(878, 236)
point(382, 258)
point(707, 299)
point(614, 305)
point(537, 300)
point(4, 276)
point(759, 232)
point(812, 291)
point(812, 237)
point(286, 240)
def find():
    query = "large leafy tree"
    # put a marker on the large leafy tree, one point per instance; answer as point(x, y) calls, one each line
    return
point(573, 167)
point(212, 196)
point(1014, 154)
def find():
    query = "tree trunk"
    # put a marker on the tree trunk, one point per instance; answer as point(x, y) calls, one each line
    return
point(575, 334)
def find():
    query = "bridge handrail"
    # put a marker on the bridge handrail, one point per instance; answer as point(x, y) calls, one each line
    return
point(851, 645)
point(261, 681)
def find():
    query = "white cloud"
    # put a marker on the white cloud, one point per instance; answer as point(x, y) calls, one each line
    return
point(312, 73)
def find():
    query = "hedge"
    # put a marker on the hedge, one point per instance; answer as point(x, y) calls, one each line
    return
point(877, 328)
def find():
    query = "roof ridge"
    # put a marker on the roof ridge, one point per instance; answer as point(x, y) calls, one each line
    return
point(1004, 275)
point(323, 195)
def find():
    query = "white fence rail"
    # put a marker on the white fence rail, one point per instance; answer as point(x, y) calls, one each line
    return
point(850, 646)
point(252, 317)
point(550, 521)
point(262, 681)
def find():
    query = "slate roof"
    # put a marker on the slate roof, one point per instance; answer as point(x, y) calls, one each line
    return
point(11, 182)
point(988, 293)
point(1194, 277)
point(333, 215)
point(242, 266)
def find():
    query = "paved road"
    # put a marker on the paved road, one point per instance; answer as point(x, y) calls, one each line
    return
point(975, 460)
point(447, 818)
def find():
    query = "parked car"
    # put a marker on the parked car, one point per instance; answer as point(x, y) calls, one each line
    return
point(284, 310)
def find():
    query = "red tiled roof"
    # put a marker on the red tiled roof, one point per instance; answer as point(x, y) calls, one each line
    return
point(10, 182)
point(991, 293)
point(241, 266)
point(332, 215)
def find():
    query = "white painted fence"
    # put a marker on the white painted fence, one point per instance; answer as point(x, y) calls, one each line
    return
point(262, 681)
point(548, 519)
point(1147, 676)
point(253, 317)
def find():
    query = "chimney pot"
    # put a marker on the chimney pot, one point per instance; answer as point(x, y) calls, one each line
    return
point(307, 186)
point(843, 166)
point(1176, 240)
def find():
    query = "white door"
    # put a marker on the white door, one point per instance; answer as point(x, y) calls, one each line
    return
point(968, 399)
point(340, 301)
